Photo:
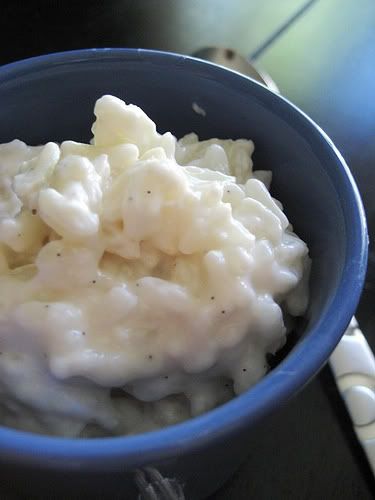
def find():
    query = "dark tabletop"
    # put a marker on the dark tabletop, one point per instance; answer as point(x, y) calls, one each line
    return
point(322, 55)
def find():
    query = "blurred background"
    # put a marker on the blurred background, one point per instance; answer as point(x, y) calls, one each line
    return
point(321, 54)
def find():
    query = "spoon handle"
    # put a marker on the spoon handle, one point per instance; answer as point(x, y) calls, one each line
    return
point(353, 365)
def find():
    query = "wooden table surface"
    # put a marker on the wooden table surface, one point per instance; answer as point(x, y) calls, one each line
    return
point(322, 55)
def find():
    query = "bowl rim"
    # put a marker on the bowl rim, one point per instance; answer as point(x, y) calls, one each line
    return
point(283, 381)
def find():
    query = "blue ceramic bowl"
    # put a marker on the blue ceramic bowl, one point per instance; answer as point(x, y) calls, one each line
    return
point(51, 98)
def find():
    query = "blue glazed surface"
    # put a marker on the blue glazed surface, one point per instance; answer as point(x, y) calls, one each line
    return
point(51, 98)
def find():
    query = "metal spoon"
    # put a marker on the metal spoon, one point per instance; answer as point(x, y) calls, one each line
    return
point(232, 60)
point(352, 362)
